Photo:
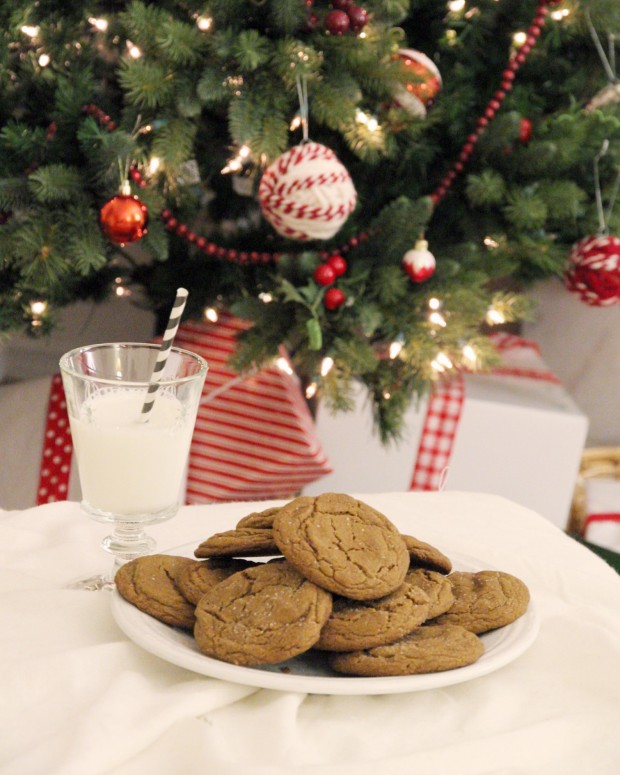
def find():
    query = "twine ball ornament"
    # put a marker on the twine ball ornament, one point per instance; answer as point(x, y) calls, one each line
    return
point(124, 218)
point(307, 193)
point(424, 82)
point(419, 263)
point(593, 270)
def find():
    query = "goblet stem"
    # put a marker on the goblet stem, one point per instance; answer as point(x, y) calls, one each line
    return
point(128, 541)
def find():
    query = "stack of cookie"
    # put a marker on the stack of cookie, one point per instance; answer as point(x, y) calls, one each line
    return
point(327, 573)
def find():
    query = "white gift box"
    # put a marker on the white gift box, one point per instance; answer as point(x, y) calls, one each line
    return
point(519, 435)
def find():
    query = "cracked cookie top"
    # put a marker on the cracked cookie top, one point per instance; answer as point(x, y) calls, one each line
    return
point(342, 544)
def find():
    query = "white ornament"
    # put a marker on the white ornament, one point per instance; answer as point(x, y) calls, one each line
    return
point(419, 263)
point(307, 193)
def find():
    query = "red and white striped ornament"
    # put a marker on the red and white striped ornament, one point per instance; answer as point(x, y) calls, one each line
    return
point(307, 193)
point(419, 263)
point(593, 270)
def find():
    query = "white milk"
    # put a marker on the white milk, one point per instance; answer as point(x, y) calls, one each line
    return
point(128, 466)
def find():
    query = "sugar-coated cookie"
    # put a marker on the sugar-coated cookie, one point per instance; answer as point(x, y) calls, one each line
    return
point(263, 615)
point(238, 542)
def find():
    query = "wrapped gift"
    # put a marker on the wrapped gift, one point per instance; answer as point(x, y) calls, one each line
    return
point(514, 432)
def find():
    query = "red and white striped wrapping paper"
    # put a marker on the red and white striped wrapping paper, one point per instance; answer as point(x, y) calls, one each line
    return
point(254, 437)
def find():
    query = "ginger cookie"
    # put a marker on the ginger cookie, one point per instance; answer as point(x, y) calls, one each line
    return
point(259, 519)
point(239, 542)
point(423, 555)
point(150, 584)
point(363, 624)
point(485, 600)
point(427, 649)
point(436, 585)
point(196, 579)
point(342, 544)
point(262, 615)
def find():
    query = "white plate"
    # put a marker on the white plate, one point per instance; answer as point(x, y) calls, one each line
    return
point(309, 672)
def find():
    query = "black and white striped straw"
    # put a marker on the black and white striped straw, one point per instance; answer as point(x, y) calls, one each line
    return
point(164, 350)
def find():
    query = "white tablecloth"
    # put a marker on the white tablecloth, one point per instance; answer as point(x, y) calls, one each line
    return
point(77, 697)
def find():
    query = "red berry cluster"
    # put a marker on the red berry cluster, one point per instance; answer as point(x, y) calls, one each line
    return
point(326, 274)
point(136, 176)
point(495, 102)
point(343, 17)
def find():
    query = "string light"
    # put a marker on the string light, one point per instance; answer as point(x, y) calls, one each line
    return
point(120, 290)
point(519, 38)
point(437, 319)
point(395, 349)
point(494, 317)
point(265, 297)
point(326, 365)
point(559, 13)
point(441, 363)
point(204, 23)
point(210, 313)
point(434, 303)
point(387, 395)
point(283, 364)
point(311, 390)
point(237, 162)
point(99, 24)
point(470, 354)
point(133, 50)
point(490, 242)
point(44, 60)
point(455, 6)
point(38, 308)
point(29, 30)
point(154, 165)
point(370, 122)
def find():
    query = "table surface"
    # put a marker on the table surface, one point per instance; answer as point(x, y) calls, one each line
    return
point(79, 697)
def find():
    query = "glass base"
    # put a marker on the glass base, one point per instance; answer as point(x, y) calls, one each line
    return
point(93, 583)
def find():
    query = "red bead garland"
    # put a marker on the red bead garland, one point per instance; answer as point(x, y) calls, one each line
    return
point(494, 104)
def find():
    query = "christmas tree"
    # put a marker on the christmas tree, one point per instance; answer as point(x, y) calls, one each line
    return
point(372, 185)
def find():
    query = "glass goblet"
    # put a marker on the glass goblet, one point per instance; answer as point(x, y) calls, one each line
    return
point(131, 463)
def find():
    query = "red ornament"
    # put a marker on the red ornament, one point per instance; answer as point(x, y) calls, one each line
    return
point(358, 17)
point(324, 275)
point(525, 130)
point(124, 218)
point(342, 5)
point(593, 271)
point(333, 298)
point(337, 22)
point(338, 264)
point(419, 263)
point(423, 82)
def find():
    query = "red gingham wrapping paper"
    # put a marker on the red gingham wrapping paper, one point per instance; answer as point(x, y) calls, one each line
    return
point(445, 405)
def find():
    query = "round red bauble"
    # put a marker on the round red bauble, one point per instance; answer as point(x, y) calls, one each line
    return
point(123, 219)
point(423, 82)
point(419, 263)
point(358, 17)
point(337, 22)
point(593, 270)
point(324, 275)
point(525, 130)
point(338, 264)
point(333, 298)
point(342, 5)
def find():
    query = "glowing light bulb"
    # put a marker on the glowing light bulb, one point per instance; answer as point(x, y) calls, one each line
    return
point(133, 50)
point(204, 23)
point(38, 308)
point(494, 317)
point(456, 5)
point(434, 303)
point(44, 60)
point(326, 365)
point(490, 242)
point(470, 354)
point(284, 366)
point(311, 390)
point(211, 314)
point(437, 319)
point(100, 24)
point(444, 360)
point(395, 349)
point(387, 395)
point(265, 297)
point(30, 30)
point(519, 39)
point(154, 165)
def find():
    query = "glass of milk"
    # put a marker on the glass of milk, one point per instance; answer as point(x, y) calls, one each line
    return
point(131, 463)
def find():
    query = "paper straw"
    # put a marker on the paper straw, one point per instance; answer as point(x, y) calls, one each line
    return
point(164, 350)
